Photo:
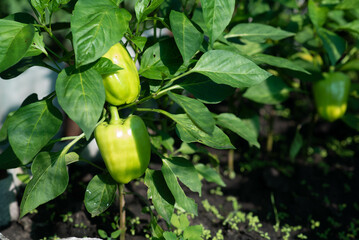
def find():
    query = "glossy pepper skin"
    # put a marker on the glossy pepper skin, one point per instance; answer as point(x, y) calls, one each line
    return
point(124, 146)
point(331, 95)
point(122, 86)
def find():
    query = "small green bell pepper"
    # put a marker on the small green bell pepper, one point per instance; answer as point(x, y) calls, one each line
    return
point(124, 146)
point(122, 86)
point(331, 95)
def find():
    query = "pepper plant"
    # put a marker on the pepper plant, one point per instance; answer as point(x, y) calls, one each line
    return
point(210, 53)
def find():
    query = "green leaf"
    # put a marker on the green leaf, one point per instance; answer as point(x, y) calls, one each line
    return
point(160, 194)
point(50, 179)
point(317, 14)
point(8, 159)
point(352, 65)
point(351, 120)
point(296, 145)
point(348, 5)
point(105, 66)
point(185, 171)
point(100, 194)
point(257, 32)
point(180, 221)
point(217, 14)
point(186, 35)
point(277, 62)
point(333, 44)
point(196, 111)
point(230, 68)
point(139, 41)
point(189, 132)
point(182, 200)
point(193, 232)
point(21, 67)
point(15, 40)
point(170, 236)
point(96, 26)
point(205, 90)
point(4, 127)
point(32, 127)
point(271, 91)
point(161, 61)
point(145, 7)
point(238, 126)
point(82, 96)
point(209, 174)
point(351, 27)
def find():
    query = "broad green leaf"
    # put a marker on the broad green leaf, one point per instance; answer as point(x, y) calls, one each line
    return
point(333, 44)
point(161, 61)
point(4, 127)
point(186, 35)
point(32, 127)
point(352, 65)
point(100, 194)
point(205, 90)
point(241, 128)
point(217, 14)
point(71, 157)
point(50, 179)
point(277, 62)
point(271, 91)
point(230, 68)
point(180, 221)
point(15, 40)
point(81, 95)
point(139, 41)
point(351, 120)
point(246, 48)
point(209, 174)
point(161, 195)
point(189, 132)
point(317, 14)
point(257, 32)
point(8, 159)
point(196, 111)
point(105, 66)
point(21, 67)
point(145, 7)
point(193, 232)
point(186, 173)
point(348, 5)
point(182, 200)
point(37, 47)
point(170, 236)
point(296, 145)
point(351, 27)
point(96, 26)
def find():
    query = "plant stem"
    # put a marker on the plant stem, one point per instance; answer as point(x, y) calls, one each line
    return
point(231, 164)
point(115, 117)
point(122, 212)
point(155, 110)
point(178, 77)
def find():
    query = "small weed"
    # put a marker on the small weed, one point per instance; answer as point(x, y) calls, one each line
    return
point(67, 217)
point(211, 208)
point(217, 191)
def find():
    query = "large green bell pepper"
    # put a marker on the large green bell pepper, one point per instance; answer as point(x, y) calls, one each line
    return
point(331, 95)
point(122, 86)
point(124, 145)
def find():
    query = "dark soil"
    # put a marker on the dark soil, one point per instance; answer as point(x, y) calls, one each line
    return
point(319, 193)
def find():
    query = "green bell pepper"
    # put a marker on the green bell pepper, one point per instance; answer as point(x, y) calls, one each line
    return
point(331, 95)
point(124, 146)
point(122, 86)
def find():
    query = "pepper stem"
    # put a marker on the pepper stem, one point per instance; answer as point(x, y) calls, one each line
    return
point(115, 117)
point(122, 211)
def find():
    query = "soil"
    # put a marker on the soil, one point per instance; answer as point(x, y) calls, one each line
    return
point(314, 196)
